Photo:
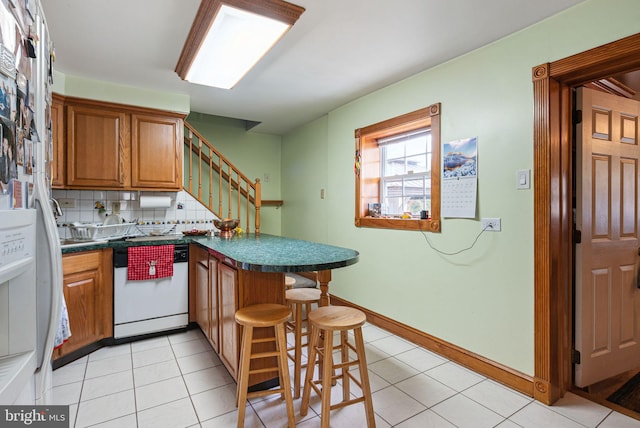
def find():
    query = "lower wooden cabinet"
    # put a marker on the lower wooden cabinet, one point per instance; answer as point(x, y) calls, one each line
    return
point(88, 292)
point(228, 305)
point(218, 290)
point(202, 296)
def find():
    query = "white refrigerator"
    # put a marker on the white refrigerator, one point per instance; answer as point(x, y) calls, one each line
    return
point(31, 297)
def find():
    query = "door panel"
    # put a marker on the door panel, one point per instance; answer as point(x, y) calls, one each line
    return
point(607, 330)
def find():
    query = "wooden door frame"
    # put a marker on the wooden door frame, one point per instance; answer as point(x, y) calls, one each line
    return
point(553, 217)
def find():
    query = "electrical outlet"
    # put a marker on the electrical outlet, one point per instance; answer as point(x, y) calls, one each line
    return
point(492, 224)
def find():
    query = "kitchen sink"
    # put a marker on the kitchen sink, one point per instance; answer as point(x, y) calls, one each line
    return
point(67, 243)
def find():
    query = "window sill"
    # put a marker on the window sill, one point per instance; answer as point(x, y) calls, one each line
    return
point(430, 225)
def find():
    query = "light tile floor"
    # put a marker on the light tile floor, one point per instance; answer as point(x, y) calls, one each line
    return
point(178, 381)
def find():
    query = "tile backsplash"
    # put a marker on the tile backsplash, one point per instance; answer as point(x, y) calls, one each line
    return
point(84, 206)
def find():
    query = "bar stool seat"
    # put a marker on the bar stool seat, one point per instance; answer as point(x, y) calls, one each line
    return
point(325, 321)
point(299, 299)
point(289, 282)
point(263, 315)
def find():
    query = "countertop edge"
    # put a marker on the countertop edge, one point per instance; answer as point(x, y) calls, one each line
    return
point(352, 258)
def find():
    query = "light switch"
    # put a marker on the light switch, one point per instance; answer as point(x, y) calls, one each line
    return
point(523, 179)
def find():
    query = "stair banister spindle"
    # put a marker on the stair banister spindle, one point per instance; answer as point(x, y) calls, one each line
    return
point(200, 169)
point(225, 170)
point(248, 192)
point(257, 199)
point(210, 205)
point(230, 201)
point(238, 203)
point(190, 137)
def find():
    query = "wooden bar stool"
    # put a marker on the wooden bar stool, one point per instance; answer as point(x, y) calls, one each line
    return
point(289, 282)
point(263, 315)
point(299, 299)
point(326, 320)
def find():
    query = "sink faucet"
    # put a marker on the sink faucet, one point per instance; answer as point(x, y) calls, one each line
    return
point(55, 206)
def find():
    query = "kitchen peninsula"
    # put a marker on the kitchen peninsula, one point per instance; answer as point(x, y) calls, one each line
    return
point(228, 274)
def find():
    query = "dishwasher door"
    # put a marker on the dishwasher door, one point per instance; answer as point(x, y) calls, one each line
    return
point(148, 306)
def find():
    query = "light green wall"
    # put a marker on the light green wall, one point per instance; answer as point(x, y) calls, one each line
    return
point(482, 299)
point(304, 175)
point(74, 86)
point(255, 154)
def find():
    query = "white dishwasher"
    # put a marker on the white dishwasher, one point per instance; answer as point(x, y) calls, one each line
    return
point(150, 305)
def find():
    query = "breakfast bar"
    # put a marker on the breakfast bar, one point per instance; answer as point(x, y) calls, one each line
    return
point(231, 273)
point(270, 253)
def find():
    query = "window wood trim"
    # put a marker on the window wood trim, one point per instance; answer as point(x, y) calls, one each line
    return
point(367, 169)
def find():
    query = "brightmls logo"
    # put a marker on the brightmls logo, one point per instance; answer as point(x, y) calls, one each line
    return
point(34, 416)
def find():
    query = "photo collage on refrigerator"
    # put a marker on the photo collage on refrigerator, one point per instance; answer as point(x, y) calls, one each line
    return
point(18, 133)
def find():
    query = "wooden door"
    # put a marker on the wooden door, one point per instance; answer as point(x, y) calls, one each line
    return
point(607, 316)
point(228, 304)
point(156, 152)
point(87, 287)
point(97, 147)
point(58, 142)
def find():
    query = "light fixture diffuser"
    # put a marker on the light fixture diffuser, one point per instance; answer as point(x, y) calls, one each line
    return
point(228, 37)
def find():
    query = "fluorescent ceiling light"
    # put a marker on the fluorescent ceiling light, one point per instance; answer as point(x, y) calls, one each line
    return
point(229, 37)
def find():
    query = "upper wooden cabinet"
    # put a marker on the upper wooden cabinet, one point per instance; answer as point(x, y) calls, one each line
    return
point(156, 151)
point(114, 146)
point(97, 145)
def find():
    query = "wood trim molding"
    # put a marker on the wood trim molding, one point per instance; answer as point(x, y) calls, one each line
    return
point(118, 107)
point(502, 374)
point(276, 9)
point(553, 218)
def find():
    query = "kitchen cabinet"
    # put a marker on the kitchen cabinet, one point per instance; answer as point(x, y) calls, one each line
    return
point(88, 292)
point(97, 147)
point(114, 146)
point(205, 291)
point(57, 136)
point(216, 298)
point(228, 305)
point(156, 152)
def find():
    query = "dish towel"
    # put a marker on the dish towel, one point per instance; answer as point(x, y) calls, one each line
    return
point(64, 330)
point(150, 262)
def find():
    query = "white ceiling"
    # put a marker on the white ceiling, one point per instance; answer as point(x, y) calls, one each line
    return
point(338, 50)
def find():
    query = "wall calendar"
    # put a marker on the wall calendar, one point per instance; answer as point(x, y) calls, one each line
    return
point(459, 187)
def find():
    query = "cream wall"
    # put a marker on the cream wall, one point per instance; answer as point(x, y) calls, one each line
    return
point(481, 299)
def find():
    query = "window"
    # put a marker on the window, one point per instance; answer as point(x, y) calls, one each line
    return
point(398, 172)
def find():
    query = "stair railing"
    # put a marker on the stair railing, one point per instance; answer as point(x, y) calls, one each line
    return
point(216, 183)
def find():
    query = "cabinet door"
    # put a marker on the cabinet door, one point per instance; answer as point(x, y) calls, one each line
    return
point(88, 292)
point(156, 152)
point(58, 147)
point(214, 316)
point(203, 297)
point(97, 147)
point(228, 301)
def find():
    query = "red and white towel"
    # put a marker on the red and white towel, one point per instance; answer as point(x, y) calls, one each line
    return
point(150, 262)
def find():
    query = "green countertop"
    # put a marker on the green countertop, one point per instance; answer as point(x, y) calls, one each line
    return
point(263, 253)
point(270, 253)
